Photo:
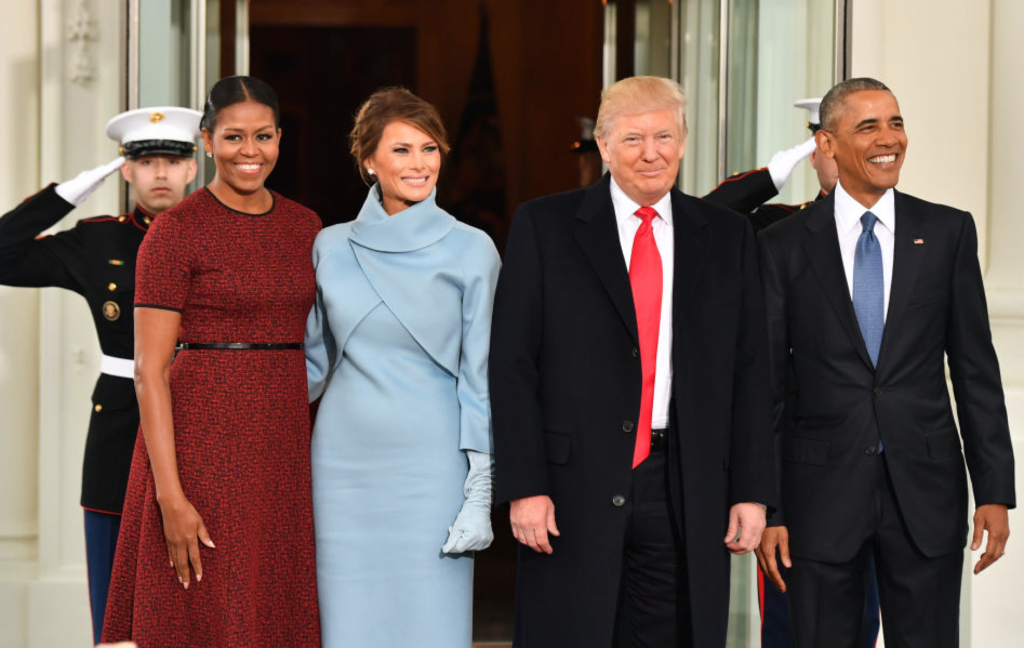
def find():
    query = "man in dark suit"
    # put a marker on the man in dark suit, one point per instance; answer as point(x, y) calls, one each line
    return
point(867, 292)
point(631, 423)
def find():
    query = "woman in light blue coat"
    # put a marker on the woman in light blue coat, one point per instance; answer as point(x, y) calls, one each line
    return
point(397, 347)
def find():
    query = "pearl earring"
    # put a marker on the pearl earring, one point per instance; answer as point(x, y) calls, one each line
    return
point(209, 155)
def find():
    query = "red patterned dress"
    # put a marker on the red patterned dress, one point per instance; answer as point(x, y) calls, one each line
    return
point(241, 427)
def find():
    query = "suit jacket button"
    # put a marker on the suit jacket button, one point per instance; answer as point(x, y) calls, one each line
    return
point(636, 352)
point(627, 427)
point(619, 500)
point(878, 391)
point(871, 450)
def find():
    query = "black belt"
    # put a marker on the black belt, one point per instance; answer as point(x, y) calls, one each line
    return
point(659, 440)
point(260, 346)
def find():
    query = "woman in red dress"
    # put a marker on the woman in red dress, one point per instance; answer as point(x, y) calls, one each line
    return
point(216, 545)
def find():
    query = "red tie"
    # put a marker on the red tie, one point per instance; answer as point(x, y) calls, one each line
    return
point(645, 278)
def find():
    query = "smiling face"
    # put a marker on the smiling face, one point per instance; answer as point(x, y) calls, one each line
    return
point(244, 143)
point(406, 164)
point(159, 181)
point(868, 144)
point(643, 151)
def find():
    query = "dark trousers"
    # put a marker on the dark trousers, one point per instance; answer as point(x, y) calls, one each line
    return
point(101, 531)
point(919, 596)
point(653, 608)
point(775, 629)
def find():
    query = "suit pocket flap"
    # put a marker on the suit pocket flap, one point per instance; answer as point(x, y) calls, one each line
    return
point(805, 451)
point(929, 296)
point(557, 446)
point(943, 443)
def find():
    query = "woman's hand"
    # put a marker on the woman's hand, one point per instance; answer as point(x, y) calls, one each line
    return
point(183, 530)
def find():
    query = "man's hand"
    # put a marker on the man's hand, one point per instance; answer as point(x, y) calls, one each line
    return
point(77, 189)
point(533, 518)
point(782, 163)
point(774, 537)
point(746, 522)
point(994, 519)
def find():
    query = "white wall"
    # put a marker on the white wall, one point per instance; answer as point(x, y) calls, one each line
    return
point(19, 378)
point(52, 124)
point(957, 69)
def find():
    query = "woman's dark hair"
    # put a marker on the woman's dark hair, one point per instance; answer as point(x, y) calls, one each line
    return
point(383, 107)
point(236, 89)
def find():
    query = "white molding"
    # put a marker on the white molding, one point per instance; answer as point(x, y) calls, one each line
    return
point(80, 31)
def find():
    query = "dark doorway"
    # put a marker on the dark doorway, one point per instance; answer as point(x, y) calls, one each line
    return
point(510, 79)
point(322, 75)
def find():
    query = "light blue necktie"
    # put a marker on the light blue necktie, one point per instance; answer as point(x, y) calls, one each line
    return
point(869, 286)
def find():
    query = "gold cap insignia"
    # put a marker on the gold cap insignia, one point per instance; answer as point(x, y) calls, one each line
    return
point(156, 117)
point(111, 311)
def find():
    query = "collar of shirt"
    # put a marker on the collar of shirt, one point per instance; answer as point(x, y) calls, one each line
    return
point(849, 211)
point(625, 208)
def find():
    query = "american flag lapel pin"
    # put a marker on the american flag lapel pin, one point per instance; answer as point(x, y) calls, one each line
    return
point(918, 241)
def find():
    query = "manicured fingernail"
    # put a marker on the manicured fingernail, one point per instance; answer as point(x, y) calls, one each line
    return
point(199, 578)
point(186, 584)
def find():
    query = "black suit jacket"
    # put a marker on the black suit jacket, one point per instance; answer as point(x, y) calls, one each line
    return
point(565, 394)
point(843, 404)
point(95, 259)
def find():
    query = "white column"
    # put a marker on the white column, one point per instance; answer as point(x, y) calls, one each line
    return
point(79, 90)
point(19, 396)
point(995, 602)
point(957, 72)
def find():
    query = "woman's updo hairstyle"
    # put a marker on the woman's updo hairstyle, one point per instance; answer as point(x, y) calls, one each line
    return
point(383, 107)
point(237, 89)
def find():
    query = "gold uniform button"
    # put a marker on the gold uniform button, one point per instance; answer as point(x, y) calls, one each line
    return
point(147, 220)
point(111, 286)
point(122, 218)
point(98, 408)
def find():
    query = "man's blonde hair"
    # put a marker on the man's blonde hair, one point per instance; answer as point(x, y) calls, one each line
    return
point(639, 95)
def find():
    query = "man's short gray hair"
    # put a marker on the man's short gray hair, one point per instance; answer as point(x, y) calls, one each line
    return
point(835, 99)
point(639, 95)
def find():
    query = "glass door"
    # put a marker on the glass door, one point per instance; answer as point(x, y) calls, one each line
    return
point(742, 64)
point(178, 48)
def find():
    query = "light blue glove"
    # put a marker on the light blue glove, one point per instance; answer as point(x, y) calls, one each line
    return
point(77, 189)
point(471, 530)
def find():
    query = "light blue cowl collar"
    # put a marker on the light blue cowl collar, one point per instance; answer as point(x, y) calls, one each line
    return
point(410, 229)
point(419, 288)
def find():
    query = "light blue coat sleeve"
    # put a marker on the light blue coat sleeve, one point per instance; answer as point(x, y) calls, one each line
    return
point(481, 264)
point(321, 351)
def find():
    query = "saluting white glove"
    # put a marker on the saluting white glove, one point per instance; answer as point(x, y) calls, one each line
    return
point(783, 162)
point(76, 190)
point(471, 530)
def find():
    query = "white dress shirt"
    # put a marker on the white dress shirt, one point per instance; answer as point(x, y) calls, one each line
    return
point(628, 223)
point(848, 226)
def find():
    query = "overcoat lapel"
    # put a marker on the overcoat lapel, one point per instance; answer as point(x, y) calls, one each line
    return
point(907, 257)
point(821, 245)
point(692, 241)
point(598, 237)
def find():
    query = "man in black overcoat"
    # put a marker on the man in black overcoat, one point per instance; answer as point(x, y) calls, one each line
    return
point(628, 369)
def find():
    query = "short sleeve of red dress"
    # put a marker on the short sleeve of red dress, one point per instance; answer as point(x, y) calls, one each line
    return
point(163, 268)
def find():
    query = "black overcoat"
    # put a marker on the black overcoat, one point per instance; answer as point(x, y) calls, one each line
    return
point(565, 388)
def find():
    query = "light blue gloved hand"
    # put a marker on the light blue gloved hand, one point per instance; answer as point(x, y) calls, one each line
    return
point(77, 189)
point(471, 530)
point(783, 162)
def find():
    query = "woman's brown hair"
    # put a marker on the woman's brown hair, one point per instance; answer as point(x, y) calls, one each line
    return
point(383, 107)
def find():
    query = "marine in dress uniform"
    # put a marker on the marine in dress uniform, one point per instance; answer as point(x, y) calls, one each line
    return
point(96, 259)
point(749, 193)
